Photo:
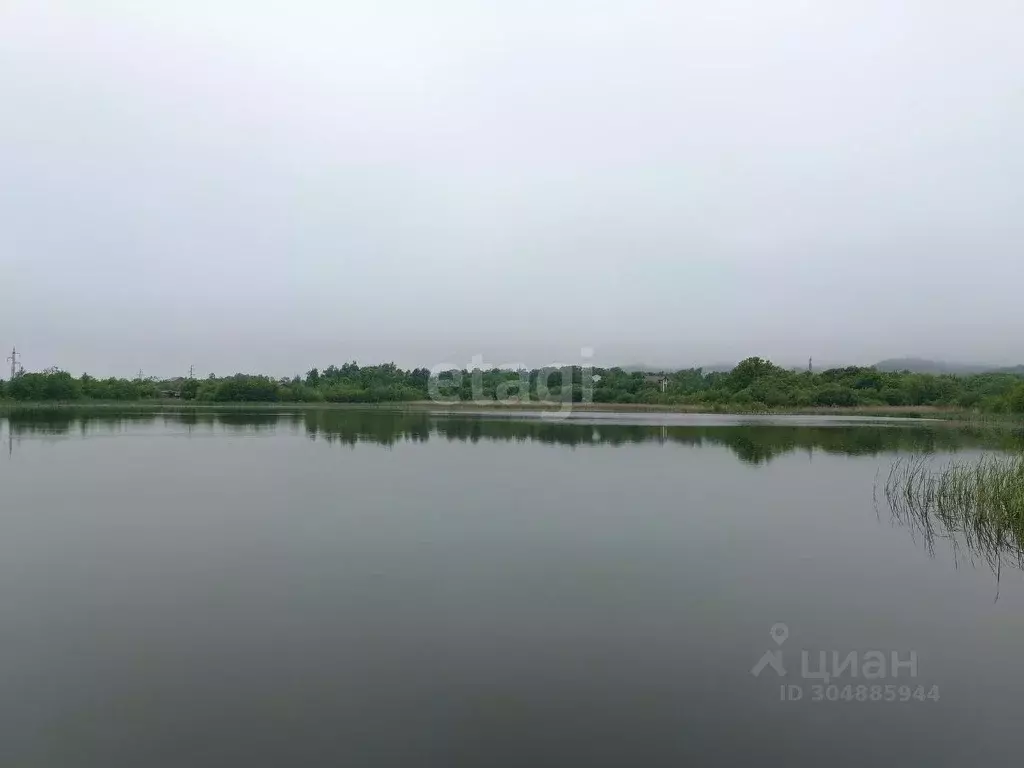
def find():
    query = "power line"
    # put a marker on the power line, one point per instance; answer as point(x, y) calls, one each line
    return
point(14, 362)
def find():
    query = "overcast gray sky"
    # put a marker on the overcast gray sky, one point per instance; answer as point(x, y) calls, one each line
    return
point(267, 186)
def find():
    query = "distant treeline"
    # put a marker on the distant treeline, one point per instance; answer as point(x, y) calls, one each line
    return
point(751, 385)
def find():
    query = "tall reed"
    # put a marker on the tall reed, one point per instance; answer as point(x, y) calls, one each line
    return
point(979, 503)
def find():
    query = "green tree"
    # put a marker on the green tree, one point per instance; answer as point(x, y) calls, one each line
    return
point(1015, 401)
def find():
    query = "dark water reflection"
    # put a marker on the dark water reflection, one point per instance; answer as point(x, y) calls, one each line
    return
point(754, 443)
point(385, 588)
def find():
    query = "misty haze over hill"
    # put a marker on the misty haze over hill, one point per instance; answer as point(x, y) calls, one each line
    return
point(918, 365)
point(912, 364)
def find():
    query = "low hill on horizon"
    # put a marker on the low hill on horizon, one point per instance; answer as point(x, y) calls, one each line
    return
point(889, 365)
point(922, 365)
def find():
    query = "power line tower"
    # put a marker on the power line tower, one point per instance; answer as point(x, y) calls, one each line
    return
point(191, 371)
point(810, 365)
point(14, 362)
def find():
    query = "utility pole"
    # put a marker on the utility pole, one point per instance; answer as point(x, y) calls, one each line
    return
point(14, 362)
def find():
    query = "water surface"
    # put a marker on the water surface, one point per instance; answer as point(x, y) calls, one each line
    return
point(385, 588)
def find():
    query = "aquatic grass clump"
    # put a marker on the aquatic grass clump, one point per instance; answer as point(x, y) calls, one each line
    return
point(978, 503)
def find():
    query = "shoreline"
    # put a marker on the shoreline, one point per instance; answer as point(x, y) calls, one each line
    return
point(901, 412)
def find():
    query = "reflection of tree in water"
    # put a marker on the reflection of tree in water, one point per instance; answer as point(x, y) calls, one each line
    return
point(61, 421)
point(356, 426)
point(754, 444)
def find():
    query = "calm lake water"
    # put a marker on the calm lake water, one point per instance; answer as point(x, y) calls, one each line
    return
point(373, 588)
